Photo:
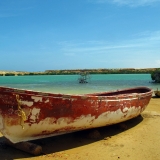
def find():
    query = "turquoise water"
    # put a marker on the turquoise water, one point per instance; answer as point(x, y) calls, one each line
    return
point(69, 83)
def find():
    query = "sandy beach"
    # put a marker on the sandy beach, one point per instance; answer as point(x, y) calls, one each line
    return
point(135, 139)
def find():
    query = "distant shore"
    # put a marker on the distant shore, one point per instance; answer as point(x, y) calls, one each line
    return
point(78, 71)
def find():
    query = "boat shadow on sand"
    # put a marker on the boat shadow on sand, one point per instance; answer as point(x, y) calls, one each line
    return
point(69, 141)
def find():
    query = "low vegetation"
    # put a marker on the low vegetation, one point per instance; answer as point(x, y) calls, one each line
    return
point(155, 75)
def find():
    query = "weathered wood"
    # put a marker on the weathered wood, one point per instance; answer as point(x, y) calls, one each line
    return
point(26, 147)
point(27, 115)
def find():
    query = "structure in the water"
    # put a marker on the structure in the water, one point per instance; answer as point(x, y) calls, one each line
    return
point(84, 77)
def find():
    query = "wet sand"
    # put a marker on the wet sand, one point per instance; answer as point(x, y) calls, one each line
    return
point(135, 139)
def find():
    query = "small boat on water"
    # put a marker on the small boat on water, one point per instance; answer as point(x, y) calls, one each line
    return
point(157, 93)
point(28, 115)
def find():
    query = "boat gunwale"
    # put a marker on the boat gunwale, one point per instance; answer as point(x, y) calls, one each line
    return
point(98, 95)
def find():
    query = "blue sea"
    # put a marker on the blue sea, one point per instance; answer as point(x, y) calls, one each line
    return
point(69, 84)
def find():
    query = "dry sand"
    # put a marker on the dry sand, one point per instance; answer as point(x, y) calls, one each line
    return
point(136, 139)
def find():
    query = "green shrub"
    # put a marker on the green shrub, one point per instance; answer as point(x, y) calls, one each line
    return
point(156, 75)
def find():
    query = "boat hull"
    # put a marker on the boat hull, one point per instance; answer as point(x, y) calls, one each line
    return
point(28, 115)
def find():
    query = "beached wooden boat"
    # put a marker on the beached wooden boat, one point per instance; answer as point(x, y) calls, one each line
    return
point(27, 115)
point(157, 93)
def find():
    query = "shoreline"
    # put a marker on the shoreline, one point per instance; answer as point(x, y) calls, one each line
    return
point(78, 71)
point(138, 140)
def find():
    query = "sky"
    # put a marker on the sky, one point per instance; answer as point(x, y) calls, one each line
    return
point(39, 35)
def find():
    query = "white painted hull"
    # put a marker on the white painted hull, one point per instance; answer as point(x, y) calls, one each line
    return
point(87, 112)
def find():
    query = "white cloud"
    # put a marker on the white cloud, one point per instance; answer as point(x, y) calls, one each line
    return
point(145, 39)
point(4, 15)
point(132, 3)
point(143, 50)
point(158, 63)
point(70, 54)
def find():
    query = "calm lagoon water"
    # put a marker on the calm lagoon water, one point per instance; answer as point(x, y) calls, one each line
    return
point(69, 83)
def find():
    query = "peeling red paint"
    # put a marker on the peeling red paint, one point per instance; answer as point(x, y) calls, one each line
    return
point(39, 106)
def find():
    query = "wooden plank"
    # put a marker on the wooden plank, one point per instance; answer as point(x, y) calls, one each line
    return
point(26, 147)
